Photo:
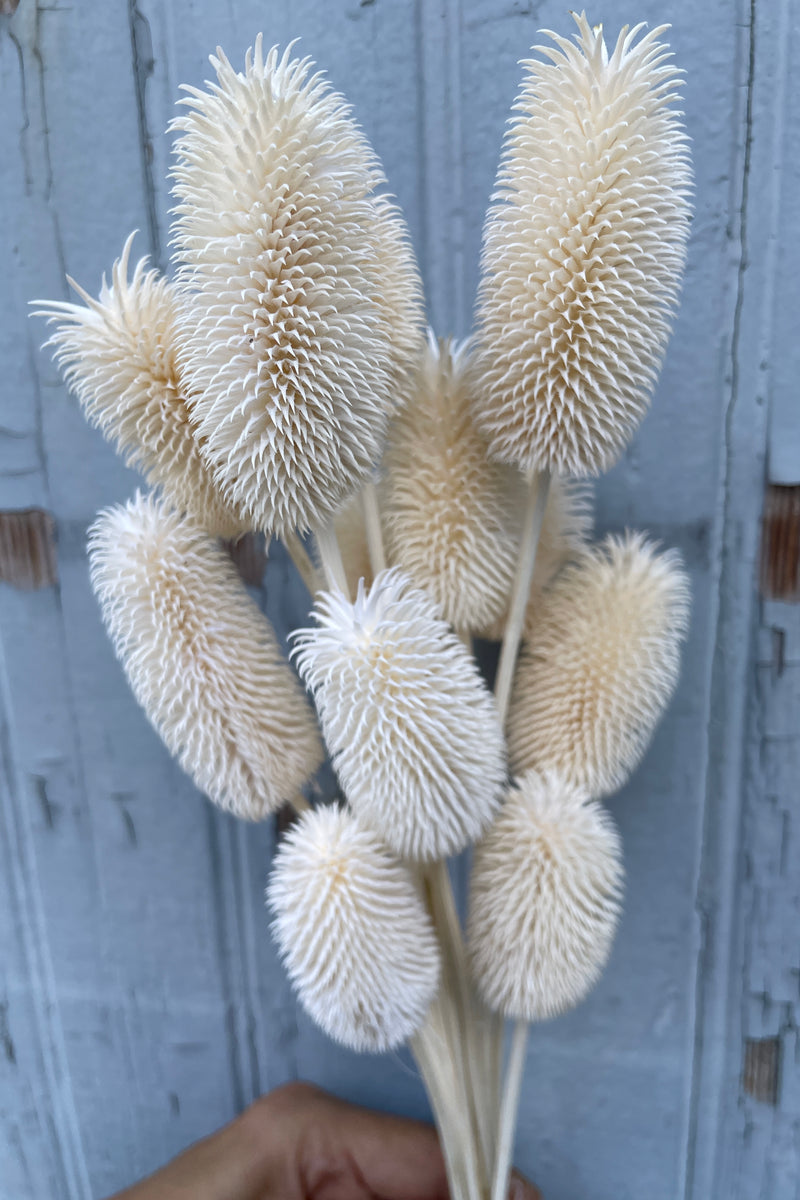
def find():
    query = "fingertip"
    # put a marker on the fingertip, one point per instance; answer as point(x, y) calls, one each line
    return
point(521, 1188)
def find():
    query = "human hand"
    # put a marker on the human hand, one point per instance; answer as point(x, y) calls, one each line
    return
point(298, 1143)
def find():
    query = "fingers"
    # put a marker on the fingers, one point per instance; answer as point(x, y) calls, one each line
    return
point(522, 1189)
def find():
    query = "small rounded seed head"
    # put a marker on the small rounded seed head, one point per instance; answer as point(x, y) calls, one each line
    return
point(119, 354)
point(448, 511)
point(413, 733)
point(601, 665)
point(544, 899)
point(201, 659)
point(356, 939)
point(303, 304)
point(583, 253)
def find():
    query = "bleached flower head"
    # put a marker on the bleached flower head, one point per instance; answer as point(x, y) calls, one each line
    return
point(304, 308)
point(413, 732)
point(119, 354)
point(601, 665)
point(583, 253)
point(544, 899)
point(356, 939)
point(201, 658)
point(448, 512)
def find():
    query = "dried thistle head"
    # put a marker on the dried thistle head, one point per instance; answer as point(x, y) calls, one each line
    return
point(601, 665)
point(448, 512)
point(119, 354)
point(297, 281)
point(413, 733)
point(201, 658)
point(583, 253)
point(544, 899)
point(353, 932)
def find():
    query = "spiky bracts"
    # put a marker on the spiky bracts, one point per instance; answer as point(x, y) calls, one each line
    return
point(583, 253)
point(601, 665)
point(354, 934)
point(448, 512)
point(297, 281)
point(119, 354)
point(413, 733)
point(201, 658)
point(544, 900)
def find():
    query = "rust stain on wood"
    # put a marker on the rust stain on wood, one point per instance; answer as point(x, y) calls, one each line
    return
point(249, 555)
point(780, 544)
point(28, 548)
point(762, 1058)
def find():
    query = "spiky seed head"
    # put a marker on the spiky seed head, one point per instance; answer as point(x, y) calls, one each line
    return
point(414, 735)
point(601, 664)
point(544, 899)
point(297, 280)
point(353, 932)
point(566, 530)
point(201, 659)
point(583, 253)
point(447, 509)
point(119, 354)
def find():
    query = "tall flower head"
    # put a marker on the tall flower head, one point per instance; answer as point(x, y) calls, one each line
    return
point(544, 899)
point(357, 941)
point(413, 733)
point(448, 511)
point(601, 665)
point(201, 659)
point(303, 302)
point(119, 354)
point(583, 253)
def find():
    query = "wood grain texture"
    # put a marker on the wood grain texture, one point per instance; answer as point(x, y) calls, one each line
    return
point(141, 1000)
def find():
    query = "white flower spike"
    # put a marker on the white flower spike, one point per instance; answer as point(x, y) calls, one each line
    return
point(353, 932)
point(201, 658)
point(413, 733)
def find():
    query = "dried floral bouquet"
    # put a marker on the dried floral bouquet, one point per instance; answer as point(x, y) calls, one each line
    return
point(283, 383)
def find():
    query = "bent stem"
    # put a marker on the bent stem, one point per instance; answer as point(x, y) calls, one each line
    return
point(508, 1110)
point(538, 490)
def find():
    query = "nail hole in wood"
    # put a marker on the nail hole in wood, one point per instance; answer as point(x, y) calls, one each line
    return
point(28, 548)
point(780, 544)
point(762, 1068)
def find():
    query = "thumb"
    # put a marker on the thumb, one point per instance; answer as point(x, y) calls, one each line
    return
point(522, 1189)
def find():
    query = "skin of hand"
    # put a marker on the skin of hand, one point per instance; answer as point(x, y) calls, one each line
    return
point(299, 1143)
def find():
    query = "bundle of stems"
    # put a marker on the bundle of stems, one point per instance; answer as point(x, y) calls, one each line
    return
point(283, 383)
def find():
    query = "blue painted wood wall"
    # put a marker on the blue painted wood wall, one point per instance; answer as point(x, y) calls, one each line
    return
point(141, 1003)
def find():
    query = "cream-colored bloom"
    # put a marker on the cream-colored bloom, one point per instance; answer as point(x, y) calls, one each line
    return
point(448, 512)
point(201, 658)
point(119, 354)
point(601, 665)
point(353, 932)
point(413, 732)
point(298, 281)
point(544, 899)
point(583, 253)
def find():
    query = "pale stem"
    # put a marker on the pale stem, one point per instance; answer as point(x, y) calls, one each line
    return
point(433, 1053)
point(468, 1047)
point(538, 489)
point(508, 1110)
point(302, 561)
point(331, 559)
point(372, 520)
